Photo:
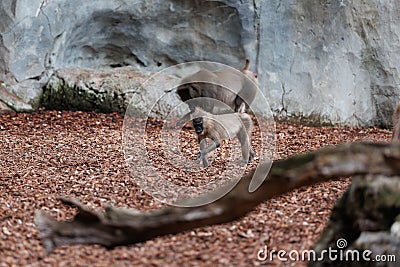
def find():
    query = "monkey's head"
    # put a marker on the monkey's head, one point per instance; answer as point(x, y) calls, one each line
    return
point(197, 116)
point(198, 125)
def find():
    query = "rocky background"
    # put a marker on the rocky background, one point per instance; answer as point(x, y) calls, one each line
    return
point(329, 62)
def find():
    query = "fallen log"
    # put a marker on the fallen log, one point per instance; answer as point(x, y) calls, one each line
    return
point(116, 226)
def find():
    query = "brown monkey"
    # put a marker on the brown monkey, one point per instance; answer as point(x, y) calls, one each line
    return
point(396, 124)
point(226, 85)
point(223, 127)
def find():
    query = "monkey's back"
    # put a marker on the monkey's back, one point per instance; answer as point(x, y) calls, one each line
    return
point(227, 126)
point(223, 85)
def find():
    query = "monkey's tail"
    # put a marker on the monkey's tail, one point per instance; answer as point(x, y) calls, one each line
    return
point(247, 64)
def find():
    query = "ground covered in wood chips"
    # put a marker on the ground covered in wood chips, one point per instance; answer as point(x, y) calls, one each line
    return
point(51, 153)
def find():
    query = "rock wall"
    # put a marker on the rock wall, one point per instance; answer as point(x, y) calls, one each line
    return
point(323, 61)
point(41, 36)
point(331, 61)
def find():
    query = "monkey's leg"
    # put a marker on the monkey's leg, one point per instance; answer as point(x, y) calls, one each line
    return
point(238, 103)
point(252, 153)
point(247, 150)
point(200, 139)
point(204, 150)
point(202, 153)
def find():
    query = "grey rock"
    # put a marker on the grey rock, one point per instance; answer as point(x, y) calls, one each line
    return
point(329, 62)
point(11, 102)
point(4, 108)
point(147, 35)
point(88, 89)
point(43, 36)
point(113, 90)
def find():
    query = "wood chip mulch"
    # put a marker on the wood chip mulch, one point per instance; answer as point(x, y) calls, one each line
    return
point(51, 153)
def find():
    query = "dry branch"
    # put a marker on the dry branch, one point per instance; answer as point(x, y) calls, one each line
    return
point(117, 226)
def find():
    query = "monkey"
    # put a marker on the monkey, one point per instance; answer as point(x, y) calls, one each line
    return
point(226, 85)
point(223, 127)
point(396, 124)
